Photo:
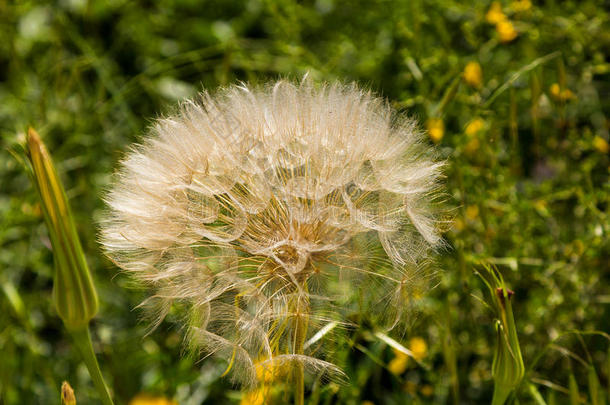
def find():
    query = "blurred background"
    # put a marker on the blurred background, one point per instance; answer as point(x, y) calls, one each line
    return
point(514, 93)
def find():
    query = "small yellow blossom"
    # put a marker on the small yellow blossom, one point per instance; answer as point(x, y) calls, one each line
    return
point(555, 90)
point(472, 212)
point(436, 129)
point(258, 396)
point(506, 31)
point(560, 94)
point(473, 75)
point(601, 144)
point(567, 94)
point(427, 390)
point(494, 14)
point(418, 347)
point(474, 126)
point(521, 5)
point(399, 363)
point(143, 399)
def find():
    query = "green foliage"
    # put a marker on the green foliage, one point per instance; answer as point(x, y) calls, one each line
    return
point(528, 179)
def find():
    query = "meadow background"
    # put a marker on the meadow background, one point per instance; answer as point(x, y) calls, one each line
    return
point(515, 94)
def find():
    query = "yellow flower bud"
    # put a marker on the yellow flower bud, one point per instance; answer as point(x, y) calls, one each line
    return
point(259, 396)
point(506, 31)
point(567, 95)
point(67, 394)
point(472, 212)
point(419, 348)
point(601, 144)
point(560, 94)
point(436, 129)
point(73, 290)
point(474, 126)
point(399, 363)
point(427, 390)
point(473, 75)
point(495, 14)
point(143, 399)
point(555, 90)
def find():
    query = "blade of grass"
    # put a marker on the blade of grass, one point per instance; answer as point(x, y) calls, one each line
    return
point(517, 75)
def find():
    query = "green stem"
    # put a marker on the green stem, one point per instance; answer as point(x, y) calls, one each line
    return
point(300, 336)
point(82, 339)
point(299, 389)
point(500, 395)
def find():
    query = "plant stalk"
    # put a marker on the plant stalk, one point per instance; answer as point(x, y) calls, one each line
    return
point(500, 395)
point(302, 320)
point(82, 339)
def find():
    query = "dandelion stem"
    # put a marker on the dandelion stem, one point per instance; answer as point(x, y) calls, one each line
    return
point(302, 319)
point(299, 390)
point(82, 339)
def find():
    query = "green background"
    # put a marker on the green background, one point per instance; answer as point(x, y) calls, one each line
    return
point(529, 192)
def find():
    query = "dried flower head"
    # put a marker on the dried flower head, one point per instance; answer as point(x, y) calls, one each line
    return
point(264, 212)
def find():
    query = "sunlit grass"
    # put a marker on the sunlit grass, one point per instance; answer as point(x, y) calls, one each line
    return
point(525, 134)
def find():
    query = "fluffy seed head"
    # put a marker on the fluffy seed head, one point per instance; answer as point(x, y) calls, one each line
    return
point(264, 212)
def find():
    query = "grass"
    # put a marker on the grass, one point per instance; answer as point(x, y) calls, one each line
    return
point(528, 177)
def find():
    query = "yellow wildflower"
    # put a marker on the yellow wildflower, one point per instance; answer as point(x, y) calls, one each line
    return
point(259, 396)
point(601, 144)
point(143, 399)
point(566, 95)
point(474, 126)
point(399, 363)
point(436, 129)
point(555, 90)
point(472, 212)
point(427, 390)
point(418, 347)
point(560, 94)
point(506, 31)
point(494, 14)
point(473, 75)
point(419, 350)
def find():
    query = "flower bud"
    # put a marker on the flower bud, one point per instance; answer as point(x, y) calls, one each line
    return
point(507, 368)
point(67, 394)
point(74, 294)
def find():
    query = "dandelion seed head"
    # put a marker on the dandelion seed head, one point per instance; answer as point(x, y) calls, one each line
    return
point(263, 209)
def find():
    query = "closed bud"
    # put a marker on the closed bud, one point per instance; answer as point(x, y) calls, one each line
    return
point(507, 368)
point(74, 294)
point(67, 394)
